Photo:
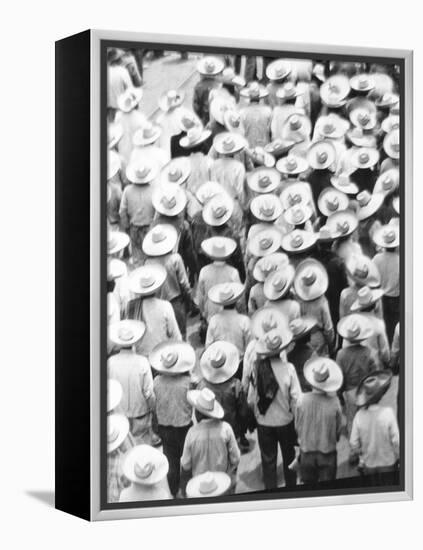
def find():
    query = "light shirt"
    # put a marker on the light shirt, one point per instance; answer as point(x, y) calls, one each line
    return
point(256, 120)
point(136, 207)
point(388, 264)
point(378, 342)
point(348, 296)
point(231, 326)
point(172, 407)
point(257, 299)
point(210, 275)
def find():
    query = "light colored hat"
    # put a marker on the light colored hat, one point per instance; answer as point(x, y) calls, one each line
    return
point(311, 280)
point(343, 183)
point(359, 138)
point(176, 171)
point(268, 264)
point(342, 224)
point(219, 362)
point(297, 127)
point(146, 135)
point(368, 204)
point(372, 388)
point(279, 147)
point(232, 121)
point(323, 374)
point(363, 116)
point(114, 394)
point(209, 484)
point(387, 236)
point(292, 165)
point(277, 285)
point(218, 106)
point(226, 294)
point(364, 157)
point(331, 200)
point(273, 342)
point(142, 171)
point(254, 90)
point(169, 199)
point(145, 465)
point(355, 327)
point(396, 204)
point(116, 241)
point(366, 297)
point(218, 248)
point(266, 319)
point(229, 76)
point(288, 90)
point(160, 240)
point(387, 99)
point(208, 190)
point(299, 214)
point(278, 69)
point(204, 401)
point(302, 326)
point(115, 269)
point(298, 241)
point(187, 119)
point(391, 144)
point(126, 333)
point(265, 242)
point(391, 122)
point(170, 100)
point(114, 134)
point(129, 99)
point(113, 164)
point(295, 194)
point(362, 82)
point(117, 431)
point(334, 91)
point(321, 154)
point(331, 126)
point(172, 357)
point(266, 207)
point(195, 135)
point(325, 234)
point(229, 143)
point(319, 71)
point(147, 279)
point(362, 270)
point(218, 210)
point(263, 180)
point(210, 65)
point(395, 110)
point(261, 157)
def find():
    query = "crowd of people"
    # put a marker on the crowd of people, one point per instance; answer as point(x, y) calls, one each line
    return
point(253, 275)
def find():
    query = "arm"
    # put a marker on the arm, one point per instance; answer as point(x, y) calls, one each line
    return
point(123, 211)
point(384, 353)
point(210, 337)
point(234, 454)
point(294, 389)
point(172, 329)
point(148, 389)
point(355, 442)
point(327, 324)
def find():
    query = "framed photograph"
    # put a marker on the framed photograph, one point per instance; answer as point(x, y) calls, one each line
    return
point(234, 275)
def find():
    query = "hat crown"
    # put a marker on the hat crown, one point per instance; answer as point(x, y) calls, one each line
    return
point(297, 214)
point(325, 232)
point(226, 292)
point(174, 174)
point(343, 179)
point(218, 246)
point(148, 131)
point(322, 157)
point(169, 358)
point(297, 240)
point(343, 227)
point(264, 181)
point(279, 282)
point(363, 81)
point(389, 236)
point(321, 373)
point(111, 241)
point(188, 122)
point(296, 326)
point(361, 271)
point(353, 330)
point(217, 358)
point(168, 199)
point(363, 117)
point(365, 296)
point(329, 127)
point(364, 198)
point(291, 162)
point(265, 242)
point(272, 340)
point(267, 207)
point(363, 157)
point(294, 199)
point(143, 470)
point(158, 235)
point(147, 279)
point(332, 202)
point(125, 334)
point(207, 484)
point(194, 133)
point(142, 170)
point(206, 399)
point(269, 323)
point(309, 277)
point(209, 65)
point(267, 267)
point(370, 385)
point(228, 143)
point(387, 182)
point(295, 122)
point(219, 209)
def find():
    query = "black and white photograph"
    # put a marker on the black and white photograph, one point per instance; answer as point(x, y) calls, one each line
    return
point(254, 255)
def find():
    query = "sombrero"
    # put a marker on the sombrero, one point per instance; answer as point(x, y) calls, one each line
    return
point(169, 199)
point(263, 180)
point(254, 90)
point(145, 465)
point(331, 201)
point(129, 99)
point(391, 144)
point(355, 327)
point(311, 280)
point(292, 165)
point(366, 297)
point(368, 204)
point(126, 333)
point(362, 270)
point(265, 242)
point(391, 122)
point(170, 100)
point(261, 157)
point(299, 214)
point(321, 154)
point(278, 69)
point(266, 207)
point(208, 190)
point(343, 183)
point(279, 147)
point(229, 76)
point(226, 294)
point(116, 241)
point(176, 171)
point(219, 362)
point(334, 91)
point(209, 484)
point(373, 387)
point(268, 264)
point(273, 342)
point(146, 135)
point(301, 327)
point(331, 126)
point(386, 100)
point(298, 241)
point(210, 65)
point(160, 240)
point(364, 157)
point(204, 401)
point(288, 90)
point(387, 182)
point(218, 248)
point(343, 223)
point(115, 269)
point(218, 210)
point(229, 143)
point(325, 234)
point(232, 121)
point(265, 319)
point(323, 374)
point(387, 236)
point(362, 113)
point(147, 279)
point(277, 284)
point(172, 358)
point(297, 127)
point(396, 204)
point(142, 171)
point(296, 194)
point(195, 135)
point(113, 164)
point(114, 394)
point(117, 431)
point(359, 138)
point(114, 134)
point(187, 119)
point(362, 82)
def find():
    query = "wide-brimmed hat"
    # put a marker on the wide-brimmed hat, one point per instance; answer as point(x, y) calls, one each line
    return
point(232, 121)
point(114, 134)
point(325, 234)
point(342, 224)
point(296, 194)
point(364, 157)
point(145, 465)
point(288, 90)
point(302, 326)
point(195, 135)
point(331, 200)
point(209, 484)
point(204, 401)
point(114, 394)
point(268, 264)
point(362, 82)
point(217, 108)
point(265, 242)
point(298, 241)
point(362, 270)
point(292, 165)
point(170, 100)
point(391, 122)
point(172, 357)
point(343, 183)
point(323, 374)
point(321, 154)
point(208, 190)
point(229, 143)
point(265, 319)
point(187, 119)
point(176, 171)
point(298, 214)
point(115, 269)
point(319, 72)
point(210, 65)
point(254, 90)
point(219, 362)
point(260, 157)
point(160, 240)
point(116, 241)
point(278, 69)
point(355, 327)
point(129, 99)
point(368, 204)
point(263, 180)
point(113, 164)
point(218, 248)
point(277, 284)
point(266, 207)
point(218, 210)
point(387, 236)
point(147, 279)
point(279, 147)
point(117, 431)
point(391, 144)
point(126, 333)
point(334, 91)
point(146, 135)
point(331, 126)
point(297, 127)
point(229, 76)
point(169, 199)
point(360, 138)
point(396, 204)
point(366, 297)
point(362, 113)
point(273, 342)
point(311, 280)
point(373, 387)
point(386, 100)
point(142, 171)
point(226, 294)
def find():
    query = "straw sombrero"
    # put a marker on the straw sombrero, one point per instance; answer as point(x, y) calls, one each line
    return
point(266, 208)
point(208, 190)
point(187, 119)
point(298, 241)
point(114, 394)
point(325, 234)
point(265, 242)
point(396, 204)
point(260, 157)
point(268, 264)
point(146, 135)
point(331, 201)
point(368, 204)
point(297, 215)
point(254, 90)
point(145, 465)
point(278, 69)
point(114, 134)
point(117, 431)
point(210, 65)
point(301, 327)
point(297, 128)
point(126, 333)
point(219, 362)
point(273, 342)
point(172, 357)
point(147, 279)
point(208, 484)
point(266, 319)
point(387, 236)
point(229, 76)
point(343, 183)
point(373, 387)
point(129, 99)
point(295, 194)
point(292, 165)
point(335, 90)
point(176, 171)
point(277, 284)
point(321, 154)
point(355, 327)
point(218, 248)
point(342, 224)
point(323, 374)
point(142, 171)
point(278, 147)
point(195, 135)
point(311, 280)
point(362, 82)
point(169, 199)
point(160, 240)
point(359, 138)
point(170, 100)
point(229, 143)
point(391, 122)
point(232, 121)
point(364, 157)
point(115, 269)
point(116, 241)
point(362, 270)
point(288, 90)
point(218, 210)
point(331, 126)
point(225, 294)
point(366, 297)
point(391, 144)
point(386, 100)
point(218, 107)
point(362, 113)
point(204, 401)
point(263, 180)
point(113, 164)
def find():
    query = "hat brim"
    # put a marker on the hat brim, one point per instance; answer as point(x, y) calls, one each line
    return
point(164, 104)
point(187, 144)
point(366, 330)
point(254, 177)
point(362, 399)
point(219, 66)
point(261, 315)
point(157, 458)
point(377, 293)
point(308, 326)
point(307, 214)
point(223, 483)
point(137, 92)
point(326, 148)
point(122, 425)
point(159, 280)
point(139, 141)
point(331, 384)
point(225, 372)
point(373, 159)
point(368, 141)
point(181, 202)
point(213, 294)
point(121, 242)
point(377, 239)
point(268, 289)
point(258, 214)
point(279, 260)
point(211, 219)
point(254, 244)
point(309, 240)
point(133, 178)
point(217, 412)
point(317, 289)
point(229, 249)
point(302, 166)
point(371, 207)
point(350, 189)
point(185, 362)
point(137, 327)
point(264, 351)
point(343, 202)
point(114, 394)
point(161, 248)
point(340, 217)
